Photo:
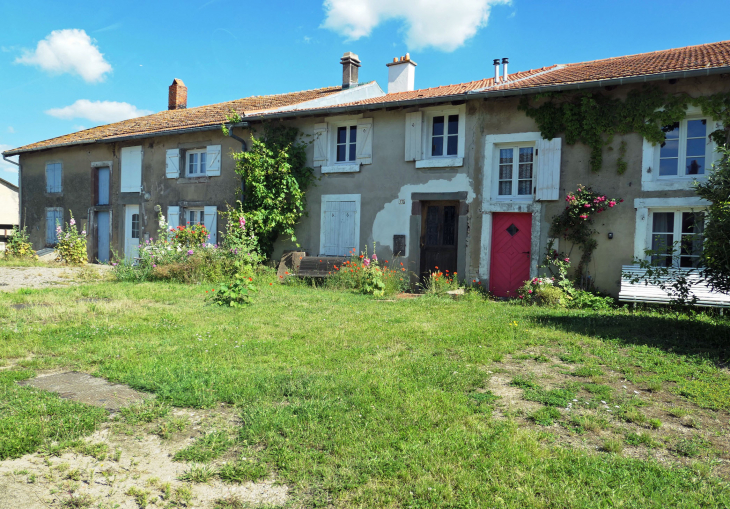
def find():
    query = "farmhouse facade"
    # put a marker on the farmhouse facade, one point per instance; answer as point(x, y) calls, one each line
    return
point(455, 176)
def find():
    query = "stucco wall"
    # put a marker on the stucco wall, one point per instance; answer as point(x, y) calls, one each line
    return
point(8, 205)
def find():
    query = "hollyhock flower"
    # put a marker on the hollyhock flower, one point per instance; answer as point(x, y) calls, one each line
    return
point(83, 232)
point(566, 260)
point(375, 257)
point(366, 262)
point(72, 222)
point(242, 222)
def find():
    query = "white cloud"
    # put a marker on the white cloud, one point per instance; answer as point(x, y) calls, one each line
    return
point(71, 51)
point(6, 167)
point(11, 129)
point(101, 112)
point(444, 25)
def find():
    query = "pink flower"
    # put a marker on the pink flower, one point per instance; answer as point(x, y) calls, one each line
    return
point(190, 252)
point(587, 205)
point(83, 232)
point(566, 260)
point(374, 257)
point(366, 262)
point(154, 266)
point(583, 216)
point(521, 297)
point(529, 291)
point(611, 203)
point(72, 222)
point(242, 222)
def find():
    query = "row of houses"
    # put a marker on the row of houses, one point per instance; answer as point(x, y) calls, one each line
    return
point(454, 176)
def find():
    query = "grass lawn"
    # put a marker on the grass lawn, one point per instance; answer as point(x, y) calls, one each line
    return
point(356, 402)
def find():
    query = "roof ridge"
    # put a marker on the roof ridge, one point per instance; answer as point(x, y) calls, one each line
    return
point(646, 53)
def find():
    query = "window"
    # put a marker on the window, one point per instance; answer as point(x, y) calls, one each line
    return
point(683, 152)
point(676, 237)
point(346, 143)
point(53, 177)
point(516, 165)
point(196, 216)
point(135, 226)
point(445, 136)
point(196, 161)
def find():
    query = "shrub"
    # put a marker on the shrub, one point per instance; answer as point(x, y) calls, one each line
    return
point(365, 275)
point(542, 292)
point(19, 246)
point(189, 236)
point(71, 247)
point(580, 299)
point(233, 294)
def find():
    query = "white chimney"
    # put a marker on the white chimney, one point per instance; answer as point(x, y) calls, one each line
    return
point(401, 74)
point(496, 71)
point(505, 74)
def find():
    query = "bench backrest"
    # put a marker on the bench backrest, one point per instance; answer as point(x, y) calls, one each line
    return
point(642, 292)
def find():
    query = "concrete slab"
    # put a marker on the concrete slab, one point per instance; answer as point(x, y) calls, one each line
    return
point(87, 389)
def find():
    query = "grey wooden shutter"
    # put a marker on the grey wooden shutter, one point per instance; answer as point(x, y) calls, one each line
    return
point(331, 226)
point(213, 161)
point(365, 141)
point(173, 217)
point(211, 223)
point(320, 144)
point(547, 180)
point(172, 163)
point(413, 136)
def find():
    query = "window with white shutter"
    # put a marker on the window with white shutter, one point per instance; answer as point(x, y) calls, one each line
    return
point(173, 217)
point(131, 172)
point(213, 156)
point(320, 144)
point(365, 141)
point(548, 156)
point(340, 225)
point(413, 135)
point(172, 163)
point(211, 223)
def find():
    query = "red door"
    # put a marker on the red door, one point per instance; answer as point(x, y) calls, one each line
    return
point(510, 264)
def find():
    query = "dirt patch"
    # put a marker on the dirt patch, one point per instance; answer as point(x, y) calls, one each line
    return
point(14, 278)
point(87, 389)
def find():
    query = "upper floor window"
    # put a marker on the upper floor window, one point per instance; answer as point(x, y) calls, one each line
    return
point(683, 152)
point(196, 162)
point(676, 238)
point(445, 135)
point(346, 143)
point(516, 168)
point(53, 177)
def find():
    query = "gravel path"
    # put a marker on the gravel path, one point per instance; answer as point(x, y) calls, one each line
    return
point(14, 278)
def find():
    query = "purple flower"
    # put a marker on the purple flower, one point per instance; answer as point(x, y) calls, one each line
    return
point(236, 251)
point(190, 252)
point(154, 266)
point(114, 264)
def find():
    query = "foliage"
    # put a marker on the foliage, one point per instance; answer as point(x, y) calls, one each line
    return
point(189, 236)
point(581, 299)
point(594, 119)
point(716, 246)
point(71, 247)
point(438, 282)
point(575, 223)
point(675, 281)
point(233, 294)
point(186, 259)
point(19, 245)
point(238, 238)
point(541, 291)
point(364, 274)
point(275, 178)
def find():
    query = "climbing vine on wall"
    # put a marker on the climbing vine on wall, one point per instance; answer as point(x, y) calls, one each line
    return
point(575, 223)
point(593, 119)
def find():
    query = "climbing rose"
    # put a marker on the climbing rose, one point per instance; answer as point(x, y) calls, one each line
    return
point(583, 216)
point(566, 260)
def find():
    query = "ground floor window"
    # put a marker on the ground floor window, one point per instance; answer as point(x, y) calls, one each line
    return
point(676, 238)
point(195, 216)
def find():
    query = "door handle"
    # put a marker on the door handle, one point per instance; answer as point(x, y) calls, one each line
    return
point(525, 252)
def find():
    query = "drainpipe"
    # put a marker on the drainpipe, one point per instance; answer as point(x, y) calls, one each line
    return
point(20, 189)
point(229, 130)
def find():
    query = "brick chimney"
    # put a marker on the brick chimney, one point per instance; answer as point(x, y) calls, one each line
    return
point(177, 97)
point(401, 74)
point(350, 62)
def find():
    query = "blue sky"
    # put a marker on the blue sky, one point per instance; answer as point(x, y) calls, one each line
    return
point(127, 53)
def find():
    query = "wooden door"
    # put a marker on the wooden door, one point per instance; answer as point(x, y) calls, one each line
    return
point(510, 261)
point(439, 229)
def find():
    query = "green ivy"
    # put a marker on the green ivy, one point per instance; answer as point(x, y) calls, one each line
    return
point(275, 178)
point(594, 119)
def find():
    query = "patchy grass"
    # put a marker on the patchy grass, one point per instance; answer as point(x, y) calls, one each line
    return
point(355, 402)
point(206, 448)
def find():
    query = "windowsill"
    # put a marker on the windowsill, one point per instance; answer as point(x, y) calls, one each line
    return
point(670, 184)
point(193, 180)
point(519, 199)
point(440, 162)
point(341, 168)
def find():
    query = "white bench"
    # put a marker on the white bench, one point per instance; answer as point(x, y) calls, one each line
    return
point(652, 293)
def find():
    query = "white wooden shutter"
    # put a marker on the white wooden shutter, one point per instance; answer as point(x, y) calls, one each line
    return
point(413, 136)
point(348, 218)
point(320, 144)
point(331, 228)
point(548, 169)
point(213, 161)
point(211, 223)
point(173, 217)
point(131, 169)
point(172, 163)
point(364, 143)
point(57, 174)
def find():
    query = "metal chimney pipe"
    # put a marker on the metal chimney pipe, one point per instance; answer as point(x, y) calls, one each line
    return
point(505, 74)
point(496, 71)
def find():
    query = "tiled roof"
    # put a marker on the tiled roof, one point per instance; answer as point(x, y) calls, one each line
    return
point(173, 120)
point(705, 56)
point(690, 58)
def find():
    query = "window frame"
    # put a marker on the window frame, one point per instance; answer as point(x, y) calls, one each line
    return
point(59, 164)
point(204, 172)
point(350, 145)
point(201, 216)
point(515, 172)
point(682, 152)
point(427, 135)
